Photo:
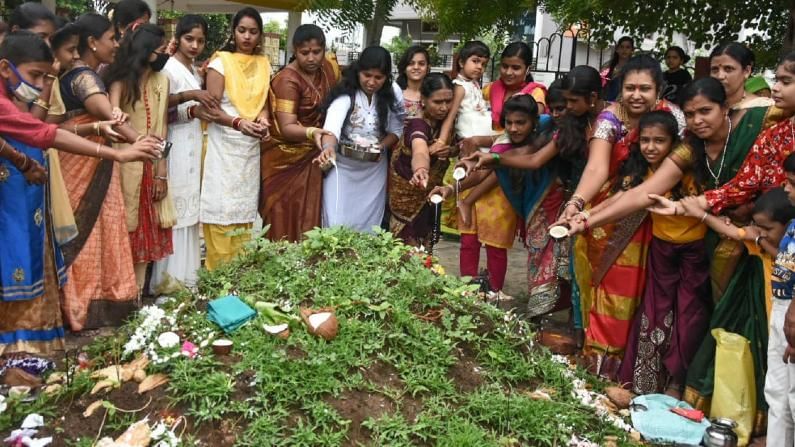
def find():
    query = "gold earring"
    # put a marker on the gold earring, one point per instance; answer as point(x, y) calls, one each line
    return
point(94, 49)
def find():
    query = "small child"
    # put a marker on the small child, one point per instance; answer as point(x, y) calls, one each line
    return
point(556, 101)
point(469, 114)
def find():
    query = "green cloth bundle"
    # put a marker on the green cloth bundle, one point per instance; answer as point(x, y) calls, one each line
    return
point(230, 313)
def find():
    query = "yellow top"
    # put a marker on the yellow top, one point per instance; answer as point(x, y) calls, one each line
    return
point(679, 229)
point(767, 266)
point(246, 81)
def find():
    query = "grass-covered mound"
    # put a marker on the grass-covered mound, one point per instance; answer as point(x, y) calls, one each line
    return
point(418, 359)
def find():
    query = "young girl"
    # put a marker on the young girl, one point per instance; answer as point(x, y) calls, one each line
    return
point(239, 77)
point(674, 314)
point(677, 76)
point(413, 67)
point(139, 89)
point(184, 167)
point(615, 68)
point(494, 220)
point(469, 114)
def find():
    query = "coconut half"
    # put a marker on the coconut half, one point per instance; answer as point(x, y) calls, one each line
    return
point(436, 199)
point(278, 330)
point(559, 231)
point(459, 173)
point(321, 322)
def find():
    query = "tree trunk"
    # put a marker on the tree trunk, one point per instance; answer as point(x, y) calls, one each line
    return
point(375, 27)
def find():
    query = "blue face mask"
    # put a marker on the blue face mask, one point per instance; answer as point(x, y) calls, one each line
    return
point(23, 90)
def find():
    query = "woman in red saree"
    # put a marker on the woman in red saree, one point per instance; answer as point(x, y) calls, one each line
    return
point(290, 189)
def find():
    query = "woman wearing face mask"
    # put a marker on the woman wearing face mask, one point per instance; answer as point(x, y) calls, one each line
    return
point(31, 263)
point(362, 107)
point(610, 268)
point(239, 77)
point(101, 290)
point(140, 90)
point(290, 192)
point(184, 167)
point(37, 19)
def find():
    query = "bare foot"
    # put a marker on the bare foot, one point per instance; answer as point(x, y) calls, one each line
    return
point(465, 212)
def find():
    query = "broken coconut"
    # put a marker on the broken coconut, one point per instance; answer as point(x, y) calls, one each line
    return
point(91, 409)
point(152, 382)
point(138, 435)
point(321, 322)
point(279, 330)
point(619, 396)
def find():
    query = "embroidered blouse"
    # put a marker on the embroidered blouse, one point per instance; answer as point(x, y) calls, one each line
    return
point(763, 168)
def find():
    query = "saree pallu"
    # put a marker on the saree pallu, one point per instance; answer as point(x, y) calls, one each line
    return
point(411, 216)
point(741, 309)
point(290, 191)
point(31, 266)
point(672, 320)
point(548, 259)
point(101, 290)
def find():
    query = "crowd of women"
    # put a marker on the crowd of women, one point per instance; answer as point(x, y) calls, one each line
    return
point(87, 227)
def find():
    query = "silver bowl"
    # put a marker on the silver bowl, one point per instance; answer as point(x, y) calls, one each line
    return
point(357, 152)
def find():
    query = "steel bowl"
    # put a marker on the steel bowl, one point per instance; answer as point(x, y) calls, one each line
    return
point(360, 153)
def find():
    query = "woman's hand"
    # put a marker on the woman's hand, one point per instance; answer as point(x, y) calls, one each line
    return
point(36, 174)
point(264, 120)
point(160, 189)
point(480, 159)
point(664, 206)
point(443, 190)
point(251, 129)
point(119, 116)
point(751, 232)
point(317, 137)
point(468, 146)
point(327, 155)
point(441, 151)
point(147, 148)
point(204, 98)
point(691, 207)
point(107, 131)
point(420, 178)
point(207, 113)
point(576, 227)
point(567, 217)
point(468, 165)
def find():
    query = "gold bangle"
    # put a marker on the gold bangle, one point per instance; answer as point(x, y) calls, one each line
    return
point(96, 127)
point(310, 133)
point(99, 146)
point(75, 132)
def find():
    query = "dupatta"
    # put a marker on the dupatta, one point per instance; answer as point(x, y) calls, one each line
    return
point(247, 79)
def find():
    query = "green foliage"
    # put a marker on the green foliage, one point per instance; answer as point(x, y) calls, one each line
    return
point(398, 45)
point(274, 26)
point(717, 21)
point(470, 18)
point(219, 29)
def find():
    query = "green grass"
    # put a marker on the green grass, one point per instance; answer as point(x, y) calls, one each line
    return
point(283, 392)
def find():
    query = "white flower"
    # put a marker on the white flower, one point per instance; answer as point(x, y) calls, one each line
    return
point(3, 404)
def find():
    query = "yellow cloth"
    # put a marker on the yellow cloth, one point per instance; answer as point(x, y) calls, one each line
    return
point(767, 266)
point(131, 172)
point(679, 229)
point(57, 107)
point(63, 218)
point(246, 81)
point(222, 247)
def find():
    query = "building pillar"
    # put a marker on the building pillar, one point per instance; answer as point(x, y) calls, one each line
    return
point(153, 6)
point(50, 4)
point(293, 21)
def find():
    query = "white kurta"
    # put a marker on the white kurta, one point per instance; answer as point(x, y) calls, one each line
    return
point(184, 182)
point(354, 193)
point(230, 189)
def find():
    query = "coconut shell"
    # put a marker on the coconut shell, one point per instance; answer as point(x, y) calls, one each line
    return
point(56, 377)
point(138, 435)
point(326, 330)
point(139, 375)
point(113, 372)
point(619, 396)
point(103, 385)
point(140, 363)
point(152, 382)
point(53, 389)
point(91, 409)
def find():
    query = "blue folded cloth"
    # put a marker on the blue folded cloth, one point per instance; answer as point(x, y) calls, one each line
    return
point(652, 417)
point(230, 313)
